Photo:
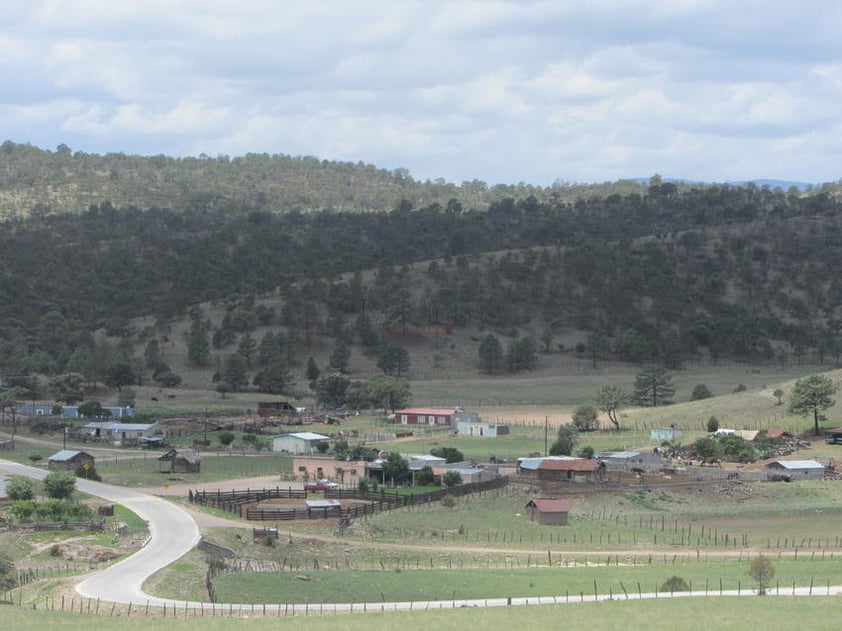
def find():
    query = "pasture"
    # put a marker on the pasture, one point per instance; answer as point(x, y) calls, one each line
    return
point(663, 614)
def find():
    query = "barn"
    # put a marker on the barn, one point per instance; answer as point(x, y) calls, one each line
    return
point(548, 511)
point(446, 417)
point(181, 461)
point(299, 443)
point(69, 460)
point(560, 469)
point(791, 470)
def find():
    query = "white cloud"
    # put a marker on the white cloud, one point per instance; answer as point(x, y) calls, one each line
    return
point(503, 90)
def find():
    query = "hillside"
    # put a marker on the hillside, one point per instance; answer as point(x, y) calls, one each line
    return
point(673, 275)
point(39, 182)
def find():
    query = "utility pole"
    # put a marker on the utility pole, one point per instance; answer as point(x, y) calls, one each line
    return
point(546, 429)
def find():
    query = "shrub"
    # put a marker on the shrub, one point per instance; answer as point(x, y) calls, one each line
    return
point(762, 571)
point(424, 477)
point(448, 501)
point(701, 391)
point(675, 584)
point(450, 454)
point(586, 418)
point(59, 485)
point(713, 424)
point(451, 478)
point(20, 488)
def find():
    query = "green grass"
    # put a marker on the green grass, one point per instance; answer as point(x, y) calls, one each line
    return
point(576, 382)
point(145, 470)
point(725, 614)
point(398, 585)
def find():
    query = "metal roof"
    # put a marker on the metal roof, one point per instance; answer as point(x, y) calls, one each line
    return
point(112, 426)
point(620, 454)
point(531, 464)
point(303, 436)
point(428, 411)
point(65, 454)
point(798, 464)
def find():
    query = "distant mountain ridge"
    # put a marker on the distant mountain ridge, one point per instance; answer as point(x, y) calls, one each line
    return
point(759, 182)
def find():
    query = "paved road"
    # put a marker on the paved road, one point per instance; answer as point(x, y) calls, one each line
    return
point(174, 533)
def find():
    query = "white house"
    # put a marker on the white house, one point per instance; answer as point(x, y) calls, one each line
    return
point(122, 433)
point(480, 428)
point(299, 443)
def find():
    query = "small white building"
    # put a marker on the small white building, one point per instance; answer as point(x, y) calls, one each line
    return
point(482, 429)
point(299, 443)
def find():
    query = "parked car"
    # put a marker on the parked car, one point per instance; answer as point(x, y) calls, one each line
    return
point(321, 485)
point(833, 440)
point(341, 413)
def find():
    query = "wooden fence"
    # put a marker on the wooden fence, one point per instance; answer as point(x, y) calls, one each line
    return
point(238, 502)
point(42, 526)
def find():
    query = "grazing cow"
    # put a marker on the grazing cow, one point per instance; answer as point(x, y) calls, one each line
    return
point(733, 475)
point(154, 398)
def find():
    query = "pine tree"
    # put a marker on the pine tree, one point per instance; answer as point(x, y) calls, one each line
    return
point(198, 346)
point(653, 387)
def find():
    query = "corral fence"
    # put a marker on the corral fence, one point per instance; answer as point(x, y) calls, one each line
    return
point(49, 526)
point(247, 503)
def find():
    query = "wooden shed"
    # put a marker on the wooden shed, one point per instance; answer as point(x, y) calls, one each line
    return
point(548, 511)
point(69, 460)
point(181, 461)
point(790, 470)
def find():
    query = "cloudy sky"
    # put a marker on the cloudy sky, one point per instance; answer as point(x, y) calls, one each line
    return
point(502, 91)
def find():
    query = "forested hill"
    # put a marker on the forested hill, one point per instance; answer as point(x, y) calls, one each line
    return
point(38, 181)
point(725, 271)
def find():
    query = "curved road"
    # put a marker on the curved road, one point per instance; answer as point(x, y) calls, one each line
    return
point(174, 533)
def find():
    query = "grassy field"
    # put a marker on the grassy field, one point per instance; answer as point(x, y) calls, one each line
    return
point(396, 585)
point(486, 546)
point(146, 469)
point(667, 614)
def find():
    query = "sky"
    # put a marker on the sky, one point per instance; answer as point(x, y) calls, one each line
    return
point(505, 91)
